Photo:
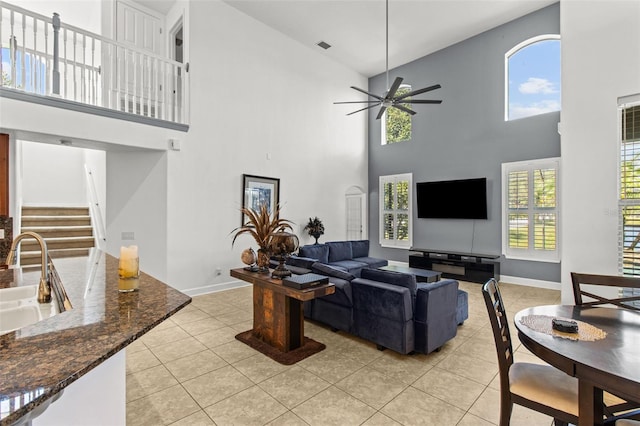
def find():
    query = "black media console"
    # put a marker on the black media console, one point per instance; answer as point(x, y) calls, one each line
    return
point(474, 267)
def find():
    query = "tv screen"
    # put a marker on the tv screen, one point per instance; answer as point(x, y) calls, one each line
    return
point(452, 199)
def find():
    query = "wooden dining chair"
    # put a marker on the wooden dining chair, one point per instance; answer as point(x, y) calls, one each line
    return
point(620, 408)
point(539, 387)
point(579, 291)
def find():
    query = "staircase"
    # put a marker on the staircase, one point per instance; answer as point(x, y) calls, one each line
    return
point(67, 231)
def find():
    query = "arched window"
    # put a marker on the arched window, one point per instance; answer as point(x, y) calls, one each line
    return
point(396, 124)
point(532, 77)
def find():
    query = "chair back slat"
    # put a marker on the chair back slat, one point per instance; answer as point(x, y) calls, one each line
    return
point(500, 326)
point(579, 280)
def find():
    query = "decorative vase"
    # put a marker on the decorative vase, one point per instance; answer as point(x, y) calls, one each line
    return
point(263, 260)
point(281, 246)
point(316, 236)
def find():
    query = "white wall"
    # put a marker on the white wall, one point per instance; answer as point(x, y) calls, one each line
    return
point(261, 104)
point(52, 175)
point(600, 62)
point(137, 202)
point(84, 14)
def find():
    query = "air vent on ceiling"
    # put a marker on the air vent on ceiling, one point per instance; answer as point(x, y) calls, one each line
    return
point(324, 45)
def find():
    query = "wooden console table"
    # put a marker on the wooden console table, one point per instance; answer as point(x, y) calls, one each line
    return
point(278, 320)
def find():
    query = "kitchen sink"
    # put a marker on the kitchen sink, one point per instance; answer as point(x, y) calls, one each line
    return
point(19, 307)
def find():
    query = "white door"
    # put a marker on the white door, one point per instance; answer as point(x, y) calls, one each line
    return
point(356, 216)
point(140, 81)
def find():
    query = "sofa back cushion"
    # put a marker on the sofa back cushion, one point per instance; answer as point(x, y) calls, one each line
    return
point(339, 250)
point(320, 252)
point(330, 271)
point(360, 248)
point(390, 277)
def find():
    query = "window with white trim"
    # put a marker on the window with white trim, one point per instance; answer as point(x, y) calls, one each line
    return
point(396, 124)
point(532, 77)
point(396, 210)
point(531, 214)
point(629, 194)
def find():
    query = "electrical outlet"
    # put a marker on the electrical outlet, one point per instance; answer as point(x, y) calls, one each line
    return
point(1, 234)
point(218, 271)
point(128, 235)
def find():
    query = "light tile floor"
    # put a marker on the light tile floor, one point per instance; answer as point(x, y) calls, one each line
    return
point(190, 370)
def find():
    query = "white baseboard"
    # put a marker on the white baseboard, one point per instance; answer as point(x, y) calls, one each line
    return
point(530, 282)
point(212, 288)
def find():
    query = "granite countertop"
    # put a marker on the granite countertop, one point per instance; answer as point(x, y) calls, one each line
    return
point(40, 360)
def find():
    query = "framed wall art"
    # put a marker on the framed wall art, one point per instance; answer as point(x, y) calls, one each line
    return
point(258, 190)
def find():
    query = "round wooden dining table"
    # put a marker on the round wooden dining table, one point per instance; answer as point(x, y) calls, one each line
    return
point(611, 363)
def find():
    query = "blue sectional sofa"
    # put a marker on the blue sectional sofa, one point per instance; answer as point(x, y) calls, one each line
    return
point(393, 311)
point(388, 308)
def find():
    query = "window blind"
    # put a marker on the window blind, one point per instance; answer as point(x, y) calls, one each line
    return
point(629, 204)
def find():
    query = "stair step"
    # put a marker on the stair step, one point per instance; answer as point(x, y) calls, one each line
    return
point(58, 243)
point(54, 211)
point(33, 258)
point(31, 221)
point(61, 231)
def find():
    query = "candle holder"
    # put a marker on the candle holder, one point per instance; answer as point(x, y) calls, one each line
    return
point(128, 269)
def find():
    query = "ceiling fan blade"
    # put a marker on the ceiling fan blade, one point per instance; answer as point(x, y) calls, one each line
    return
point(418, 101)
point(419, 91)
point(381, 113)
point(357, 102)
point(405, 109)
point(365, 108)
point(366, 93)
point(394, 88)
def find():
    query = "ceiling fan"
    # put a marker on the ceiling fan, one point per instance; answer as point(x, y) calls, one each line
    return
point(389, 99)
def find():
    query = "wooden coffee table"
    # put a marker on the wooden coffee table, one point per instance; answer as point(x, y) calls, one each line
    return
point(278, 320)
point(422, 275)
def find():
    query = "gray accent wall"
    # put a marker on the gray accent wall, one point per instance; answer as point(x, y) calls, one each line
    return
point(465, 137)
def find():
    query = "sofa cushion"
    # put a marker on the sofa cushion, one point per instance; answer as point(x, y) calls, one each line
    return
point(330, 271)
point(350, 266)
point(301, 262)
point(339, 250)
point(342, 296)
point(395, 278)
point(372, 262)
point(360, 248)
point(320, 252)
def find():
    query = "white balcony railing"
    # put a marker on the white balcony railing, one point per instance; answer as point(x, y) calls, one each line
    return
point(45, 56)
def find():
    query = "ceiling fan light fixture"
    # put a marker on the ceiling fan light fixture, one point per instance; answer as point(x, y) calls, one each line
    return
point(389, 99)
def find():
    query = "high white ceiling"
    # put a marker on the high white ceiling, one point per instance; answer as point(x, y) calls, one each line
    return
point(356, 28)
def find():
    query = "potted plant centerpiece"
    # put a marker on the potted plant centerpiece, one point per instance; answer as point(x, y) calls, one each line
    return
point(315, 228)
point(262, 226)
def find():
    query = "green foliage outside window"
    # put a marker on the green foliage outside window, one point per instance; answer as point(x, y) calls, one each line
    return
point(398, 123)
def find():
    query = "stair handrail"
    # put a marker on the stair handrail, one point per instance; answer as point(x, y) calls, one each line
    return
point(95, 211)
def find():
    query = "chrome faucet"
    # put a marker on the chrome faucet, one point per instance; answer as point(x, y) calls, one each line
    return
point(44, 289)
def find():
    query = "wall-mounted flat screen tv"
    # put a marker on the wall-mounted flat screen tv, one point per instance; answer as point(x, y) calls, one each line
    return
point(452, 199)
